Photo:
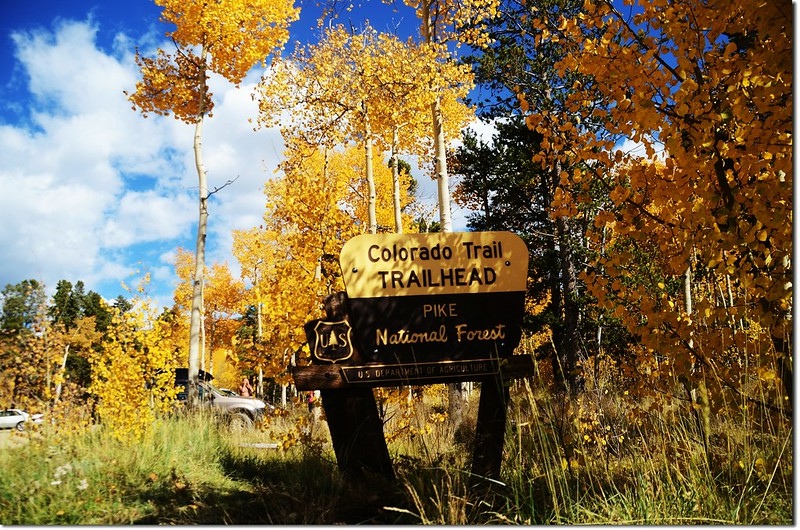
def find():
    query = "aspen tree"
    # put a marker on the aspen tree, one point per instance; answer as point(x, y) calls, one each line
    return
point(224, 300)
point(443, 21)
point(254, 250)
point(226, 37)
point(132, 374)
point(705, 89)
point(420, 76)
point(347, 88)
point(312, 210)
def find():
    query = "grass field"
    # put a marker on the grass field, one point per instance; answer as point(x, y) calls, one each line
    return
point(590, 460)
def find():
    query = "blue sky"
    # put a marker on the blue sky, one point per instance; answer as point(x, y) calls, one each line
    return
point(90, 190)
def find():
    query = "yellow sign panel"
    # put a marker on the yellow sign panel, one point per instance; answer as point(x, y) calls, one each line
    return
point(380, 265)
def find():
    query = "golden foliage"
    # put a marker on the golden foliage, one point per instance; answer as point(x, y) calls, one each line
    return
point(348, 89)
point(705, 90)
point(33, 371)
point(231, 36)
point(237, 34)
point(331, 88)
point(461, 20)
point(172, 85)
point(223, 297)
point(292, 261)
point(224, 301)
point(132, 375)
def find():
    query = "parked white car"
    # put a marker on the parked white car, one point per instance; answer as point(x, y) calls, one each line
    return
point(238, 411)
point(16, 419)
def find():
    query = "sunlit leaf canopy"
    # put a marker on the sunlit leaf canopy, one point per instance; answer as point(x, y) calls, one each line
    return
point(227, 38)
point(705, 91)
point(320, 92)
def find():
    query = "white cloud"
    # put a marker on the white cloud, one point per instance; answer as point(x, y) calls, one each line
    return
point(69, 54)
point(146, 216)
point(238, 160)
point(90, 190)
point(484, 130)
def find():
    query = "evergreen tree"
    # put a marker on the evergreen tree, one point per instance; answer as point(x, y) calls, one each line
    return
point(20, 305)
point(70, 304)
point(95, 306)
point(67, 304)
point(121, 303)
point(518, 67)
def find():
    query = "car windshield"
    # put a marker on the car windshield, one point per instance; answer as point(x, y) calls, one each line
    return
point(214, 389)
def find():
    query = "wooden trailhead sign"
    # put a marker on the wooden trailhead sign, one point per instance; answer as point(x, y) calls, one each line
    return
point(419, 309)
point(424, 308)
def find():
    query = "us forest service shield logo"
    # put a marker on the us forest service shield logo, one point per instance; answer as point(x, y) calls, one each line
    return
point(333, 341)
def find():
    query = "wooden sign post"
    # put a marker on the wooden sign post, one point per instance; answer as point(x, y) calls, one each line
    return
point(419, 309)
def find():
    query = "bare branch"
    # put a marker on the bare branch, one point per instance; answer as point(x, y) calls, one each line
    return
point(227, 183)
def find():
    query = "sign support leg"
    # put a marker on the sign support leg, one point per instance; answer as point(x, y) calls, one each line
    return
point(356, 431)
point(353, 420)
point(490, 429)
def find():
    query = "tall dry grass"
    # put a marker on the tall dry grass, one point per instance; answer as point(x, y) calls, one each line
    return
point(598, 458)
point(609, 458)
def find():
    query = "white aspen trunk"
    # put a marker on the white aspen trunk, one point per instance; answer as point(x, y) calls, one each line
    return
point(63, 368)
point(740, 322)
point(203, 339)
point(442, 179)
point(49, 373)
point(687, 289)
point(260, 326)
point(398, 219)
point(373, 217)
point(196, 319)
point(260, 330)
point(440, 155)
point(210, 347)
point(203, 334)
point(687, 294)
point(599, 334)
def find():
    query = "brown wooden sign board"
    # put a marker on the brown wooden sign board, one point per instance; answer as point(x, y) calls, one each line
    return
point(416, 299)
point(422, 298)
point(317, 377)
point(419, 309)
point(405, 330)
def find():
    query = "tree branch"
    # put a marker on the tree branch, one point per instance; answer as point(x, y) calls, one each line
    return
point(227, 183)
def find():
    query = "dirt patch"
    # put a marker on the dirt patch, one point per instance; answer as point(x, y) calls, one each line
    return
point(12, 438)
